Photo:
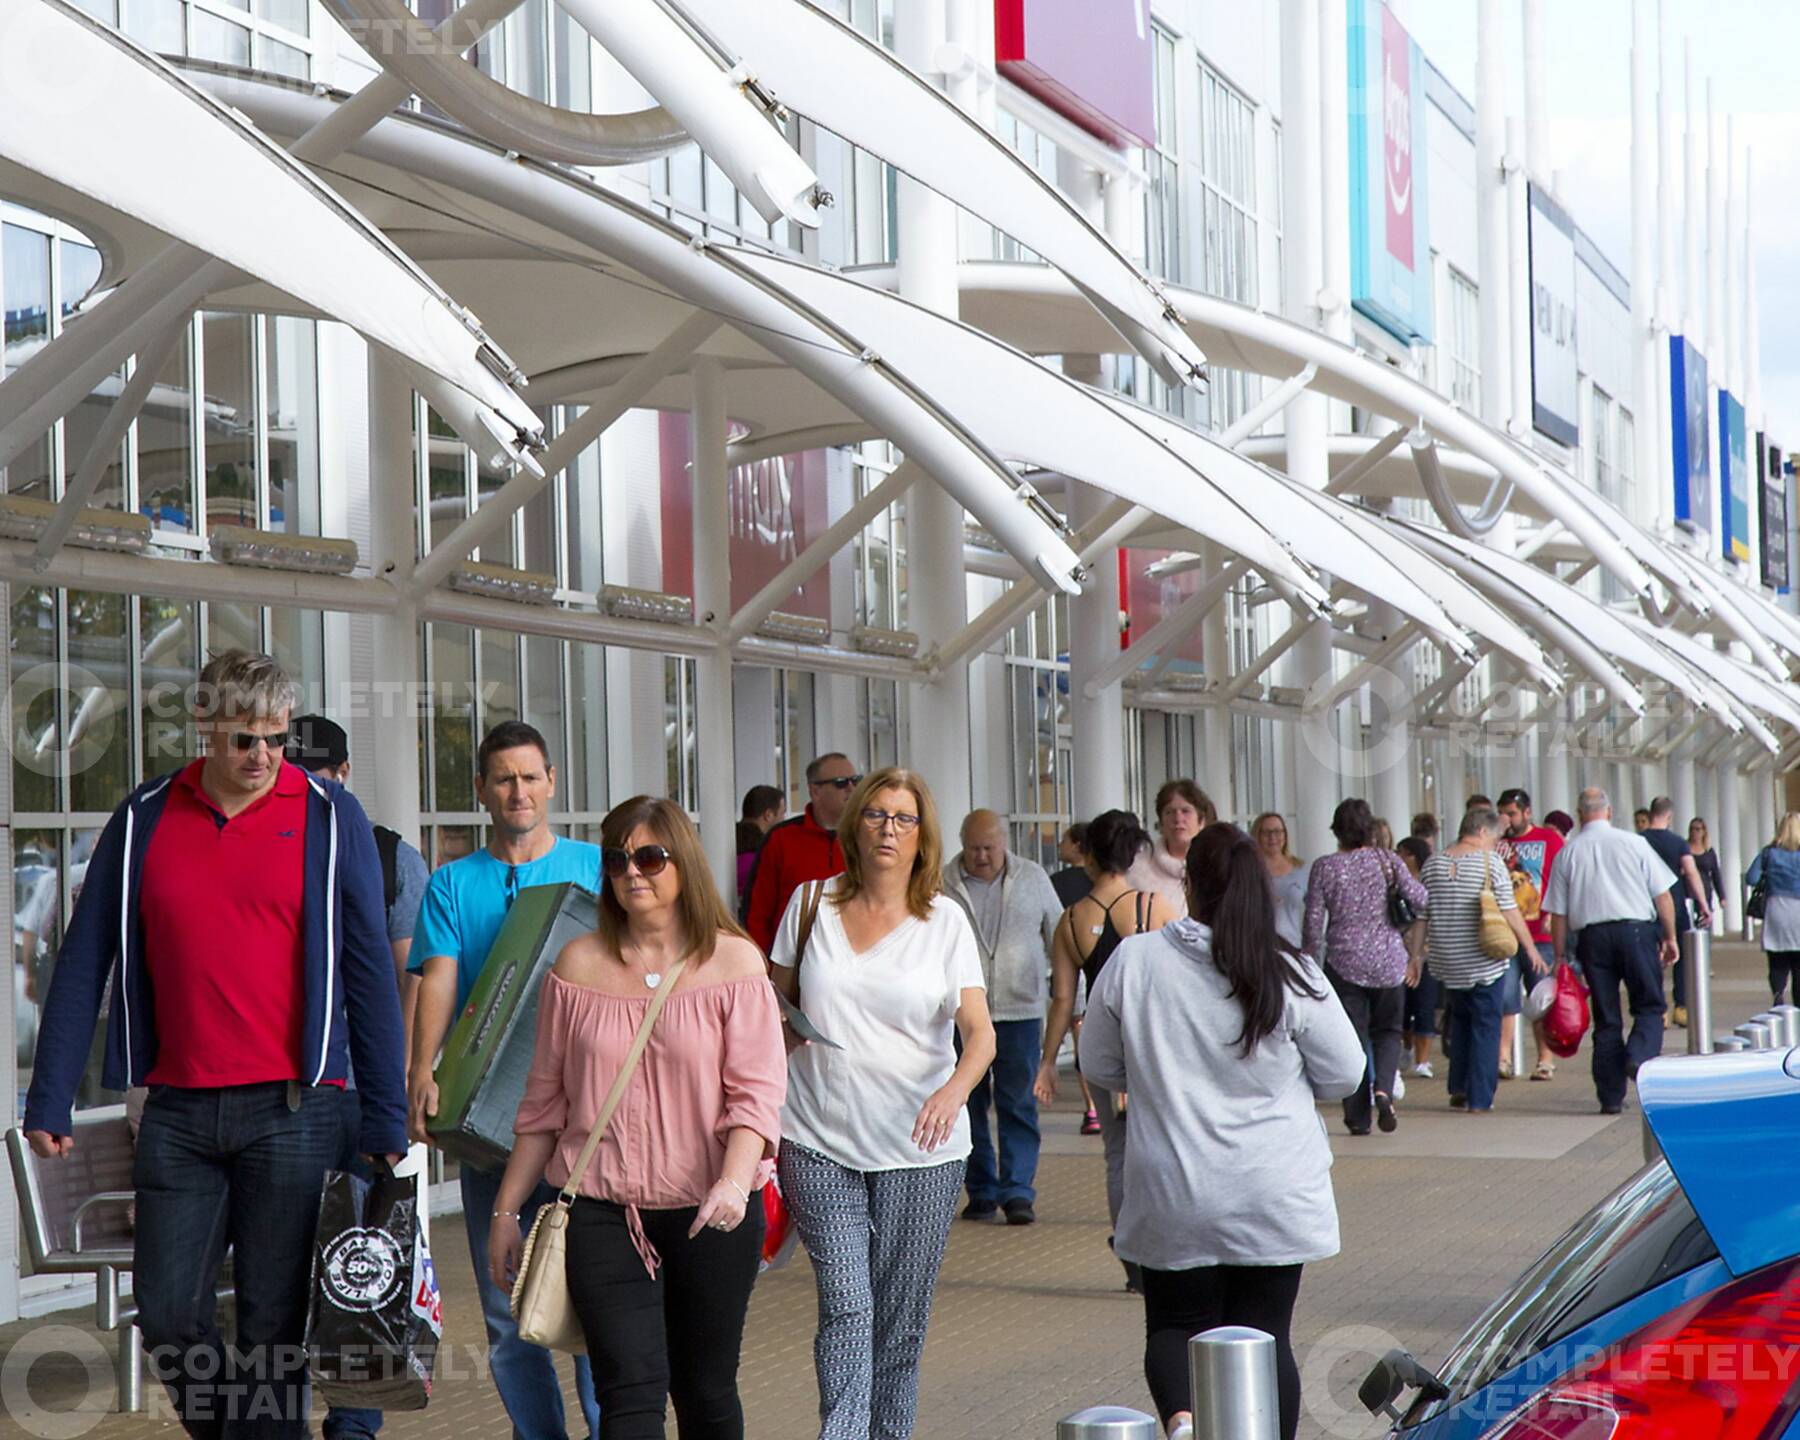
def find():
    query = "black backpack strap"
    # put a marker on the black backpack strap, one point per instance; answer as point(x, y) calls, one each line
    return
point(1143, 912)
point(387, 845)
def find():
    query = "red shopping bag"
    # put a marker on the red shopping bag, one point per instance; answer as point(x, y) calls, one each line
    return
point(779, 1234)
point(1567, 1019)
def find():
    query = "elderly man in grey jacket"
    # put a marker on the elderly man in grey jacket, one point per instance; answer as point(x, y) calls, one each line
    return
point(1013, 908)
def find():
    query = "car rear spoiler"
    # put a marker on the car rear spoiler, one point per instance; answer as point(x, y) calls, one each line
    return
point(1729, 1125)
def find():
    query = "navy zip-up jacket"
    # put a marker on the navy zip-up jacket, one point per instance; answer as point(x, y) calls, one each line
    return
point(352, 1009)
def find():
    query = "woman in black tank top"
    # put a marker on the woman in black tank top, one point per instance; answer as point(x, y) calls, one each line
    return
point(1087, 935)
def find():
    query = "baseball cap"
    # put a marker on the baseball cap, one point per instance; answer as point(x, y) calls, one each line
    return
point(318, 743)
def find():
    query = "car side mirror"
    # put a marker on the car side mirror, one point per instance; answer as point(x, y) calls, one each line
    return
point(1394, 1374)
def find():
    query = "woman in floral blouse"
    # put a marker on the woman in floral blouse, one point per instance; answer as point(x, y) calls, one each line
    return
point(1348, 931)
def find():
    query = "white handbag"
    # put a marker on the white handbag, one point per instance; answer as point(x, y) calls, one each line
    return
point(540, 1294)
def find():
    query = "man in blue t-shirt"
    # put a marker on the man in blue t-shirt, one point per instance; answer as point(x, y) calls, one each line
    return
point(1673, 850)
point(465, 904)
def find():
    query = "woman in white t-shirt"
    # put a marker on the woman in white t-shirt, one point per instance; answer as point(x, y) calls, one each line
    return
point(875, 1133)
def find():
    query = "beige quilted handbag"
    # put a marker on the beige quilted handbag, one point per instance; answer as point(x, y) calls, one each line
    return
point(540, 1293)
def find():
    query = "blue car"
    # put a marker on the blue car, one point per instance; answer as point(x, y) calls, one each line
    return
point(1670, 1311)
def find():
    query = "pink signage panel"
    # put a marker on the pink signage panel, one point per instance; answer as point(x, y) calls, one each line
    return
point(1089, 59)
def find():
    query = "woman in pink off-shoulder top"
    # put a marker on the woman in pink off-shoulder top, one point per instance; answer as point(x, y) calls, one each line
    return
point(665, 1237)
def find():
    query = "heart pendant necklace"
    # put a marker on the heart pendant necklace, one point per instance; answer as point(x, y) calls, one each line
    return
point(653, 979)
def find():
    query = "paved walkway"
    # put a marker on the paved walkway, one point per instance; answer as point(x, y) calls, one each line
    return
point(1032, 1324)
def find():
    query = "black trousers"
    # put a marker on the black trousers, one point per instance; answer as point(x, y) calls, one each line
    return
point(1615, 953)
point(1379, 1014)
point(674, 1336)
point(1181, 1303)
point(1783, 965)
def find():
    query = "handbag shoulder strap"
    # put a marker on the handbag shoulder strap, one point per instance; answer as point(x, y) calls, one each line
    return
point(809, 914)
point(620, 1081)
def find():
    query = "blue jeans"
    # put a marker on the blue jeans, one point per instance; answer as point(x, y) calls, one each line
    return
point(524, 1374)
point(1475, 1043)
point(1622, 952)
point(1008, 1086)
point(234, 1167)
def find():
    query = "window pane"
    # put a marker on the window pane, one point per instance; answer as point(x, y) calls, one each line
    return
point(544, 708)
point(279, 59)
point(586, 781)
point(526, 38)
point(581, 487)
point(100, 702)
point(156, 25)
point(297, 640)
point(573, 78)
point(232, 627)
point(216, 39)
point(499, 549)
point(80, 265)
point(447, 478)
point(499, 678)
point(291, 397)
point(452, 717)
point(36, 747)
point(25, 291)
point(289, 14)
point(169, 631)
point(230, 419)
point(37, 931)
point(103, 10)
point(539, 524)
point(165, 442)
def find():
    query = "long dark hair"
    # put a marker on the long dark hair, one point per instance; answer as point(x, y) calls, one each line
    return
point(1228, 890)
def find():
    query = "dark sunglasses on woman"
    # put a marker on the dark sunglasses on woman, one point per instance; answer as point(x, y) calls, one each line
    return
point(649, 859)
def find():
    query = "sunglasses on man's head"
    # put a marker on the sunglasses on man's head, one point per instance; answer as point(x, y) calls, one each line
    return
point(842, 782)
point(244, 741)
point(649, 859)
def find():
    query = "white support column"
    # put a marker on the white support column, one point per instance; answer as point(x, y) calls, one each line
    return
point(1492, 234)
point(1518, 282)
point(1715, 249)
point(1693, 169)
point(1646, 412)
point(1098, 722)
point(938, 593)
point(1316, 764)
point(1682, 789)
point(1391, 760)
point(389, 777)
point(1537, 123)
point(712, 606)
point(1217, 775)
point(1728, 837)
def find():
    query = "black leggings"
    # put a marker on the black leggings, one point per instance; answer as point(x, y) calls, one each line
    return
point(675, 1337)
point(1180, 1303)
point(1782, 964)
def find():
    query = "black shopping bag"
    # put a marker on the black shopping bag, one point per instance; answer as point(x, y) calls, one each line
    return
point(375, 1319)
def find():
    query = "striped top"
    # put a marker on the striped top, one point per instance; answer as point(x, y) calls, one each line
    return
point(1454, 934)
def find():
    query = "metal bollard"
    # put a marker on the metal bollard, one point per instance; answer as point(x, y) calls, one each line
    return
point(1107, 1422)
point(1789, 1016)
point(1754, 1034)
point(1232, 1372)
point(1775, 1025)
point(1729, 1044)
point(1696, 948)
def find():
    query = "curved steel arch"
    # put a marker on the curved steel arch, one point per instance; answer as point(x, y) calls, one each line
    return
point(611, 225)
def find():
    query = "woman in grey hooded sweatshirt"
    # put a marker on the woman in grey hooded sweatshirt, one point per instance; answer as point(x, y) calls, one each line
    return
point(1226, 1038)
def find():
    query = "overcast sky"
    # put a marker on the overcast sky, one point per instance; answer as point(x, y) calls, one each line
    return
point(1750, 49)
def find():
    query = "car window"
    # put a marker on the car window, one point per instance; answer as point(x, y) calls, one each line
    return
point(1641, 1235)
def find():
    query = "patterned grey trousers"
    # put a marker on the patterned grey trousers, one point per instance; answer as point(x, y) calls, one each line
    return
point(875, 1239)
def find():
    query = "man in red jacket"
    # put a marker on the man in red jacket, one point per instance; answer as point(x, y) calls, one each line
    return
point(804, 848)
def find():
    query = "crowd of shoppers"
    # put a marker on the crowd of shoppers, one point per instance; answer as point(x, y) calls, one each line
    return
point(284, 975)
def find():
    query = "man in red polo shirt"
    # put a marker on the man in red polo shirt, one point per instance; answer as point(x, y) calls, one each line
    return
point(804, 848)
point(236, 907)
